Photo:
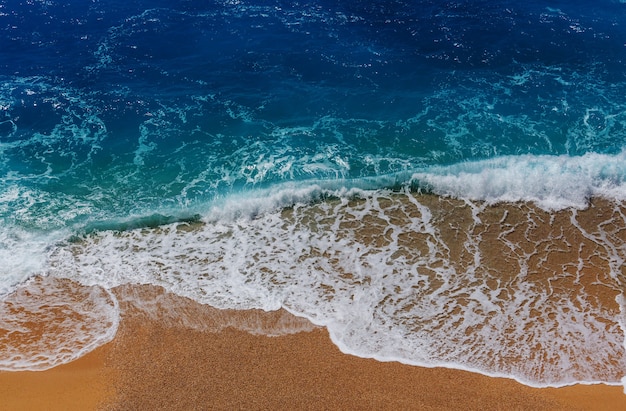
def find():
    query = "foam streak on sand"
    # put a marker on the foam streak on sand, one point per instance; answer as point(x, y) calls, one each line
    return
point(206, 360)
point(506, 290)
point(48, 321)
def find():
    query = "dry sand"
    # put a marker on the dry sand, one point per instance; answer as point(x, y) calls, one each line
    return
point(154, 364)
point(80, 385)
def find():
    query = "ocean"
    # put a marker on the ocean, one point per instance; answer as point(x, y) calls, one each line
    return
point(437, 183)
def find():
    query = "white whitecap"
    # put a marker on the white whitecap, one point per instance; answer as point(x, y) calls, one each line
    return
point(552, 182)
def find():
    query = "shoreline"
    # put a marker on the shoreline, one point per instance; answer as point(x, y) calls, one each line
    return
point(153, 363)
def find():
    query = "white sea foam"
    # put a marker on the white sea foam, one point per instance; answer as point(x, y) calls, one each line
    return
point(394, 278)
point(22, 253)
point(552, 182)
point(46, 322)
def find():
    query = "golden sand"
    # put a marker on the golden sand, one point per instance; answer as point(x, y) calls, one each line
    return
point(80, 385)
point(157, 365)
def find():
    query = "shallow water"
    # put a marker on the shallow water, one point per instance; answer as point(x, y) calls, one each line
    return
point(506, 290)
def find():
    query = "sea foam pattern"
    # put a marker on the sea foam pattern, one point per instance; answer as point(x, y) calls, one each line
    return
point(510, 290)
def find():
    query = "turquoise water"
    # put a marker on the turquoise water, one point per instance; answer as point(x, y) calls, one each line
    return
point(117, 116)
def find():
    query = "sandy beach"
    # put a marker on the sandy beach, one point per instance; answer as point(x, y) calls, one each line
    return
point(154, 363)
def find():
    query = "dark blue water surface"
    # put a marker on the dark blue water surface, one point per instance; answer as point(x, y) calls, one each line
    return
point(113, 110)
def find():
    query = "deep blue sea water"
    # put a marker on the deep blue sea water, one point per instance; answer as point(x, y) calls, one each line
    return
point(122, 115)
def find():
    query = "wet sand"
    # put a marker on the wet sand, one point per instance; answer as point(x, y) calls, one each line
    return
point(155, 364)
